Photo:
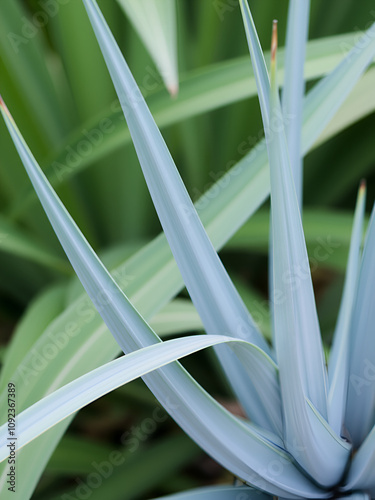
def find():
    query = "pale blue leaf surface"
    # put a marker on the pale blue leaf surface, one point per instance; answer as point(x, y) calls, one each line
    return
point(298, 343)
point(259, 64)
point(65, 401)
point(228, 439)
point(219, 493)
point(360, 407)
point(215, 298)
point(292, 245)
point(263, 88)
point(294, 86)
point(338, 367)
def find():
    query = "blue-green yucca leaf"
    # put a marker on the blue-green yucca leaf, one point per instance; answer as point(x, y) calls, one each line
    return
point(298, 342)
point(213, 294)
point(50, 410)
point(259, 64)
point(338, 367)
point(313, 369)
point(361, 473)
point(360, 407)
point(238, 446)
point(294, 86)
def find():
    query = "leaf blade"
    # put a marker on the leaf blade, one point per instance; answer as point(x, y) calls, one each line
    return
point(294, 86)
point(213, 294)
point(359, 415)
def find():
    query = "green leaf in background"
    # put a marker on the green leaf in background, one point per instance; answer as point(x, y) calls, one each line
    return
point(41, 312)
point(327, 235)
point(141, 471)
point(16, 241)
point(202, 91)
point(155, 22)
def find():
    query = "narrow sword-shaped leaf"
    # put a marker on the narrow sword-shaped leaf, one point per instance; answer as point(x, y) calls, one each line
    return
point(294, 86)
point(259, 65)
point(213, 293)
point(298, 343)
point(40, 313)
point(360, 407)
point(155, 21)
point(313, 371)
point(236, 445)
point(67, 400)
point(338, 367)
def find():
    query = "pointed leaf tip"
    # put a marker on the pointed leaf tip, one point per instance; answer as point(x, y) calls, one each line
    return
point(362, 187)
point(4, 108)
point(274, 42)
point(173, 90)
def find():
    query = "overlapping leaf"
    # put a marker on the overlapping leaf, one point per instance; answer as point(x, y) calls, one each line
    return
point(213, 294)
point(360, 407)
point(297, 334)
point(294, 86)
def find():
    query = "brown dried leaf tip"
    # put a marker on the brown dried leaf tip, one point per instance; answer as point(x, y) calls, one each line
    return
point(274, 42)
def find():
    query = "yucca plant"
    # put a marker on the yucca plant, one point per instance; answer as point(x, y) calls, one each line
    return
point(309, 433)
